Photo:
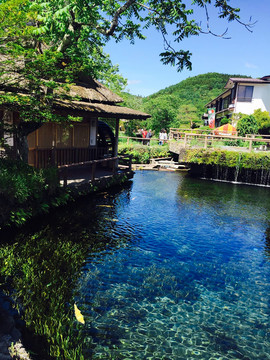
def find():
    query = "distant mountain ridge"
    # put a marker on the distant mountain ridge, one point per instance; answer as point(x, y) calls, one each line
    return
point(169, 104)
point(197, 90)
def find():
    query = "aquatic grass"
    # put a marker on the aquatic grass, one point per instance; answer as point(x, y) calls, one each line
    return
point(42, 272)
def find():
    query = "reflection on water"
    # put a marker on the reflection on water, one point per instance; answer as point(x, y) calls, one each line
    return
point(170, 268)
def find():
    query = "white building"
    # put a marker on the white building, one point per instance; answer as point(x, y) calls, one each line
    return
point(242, 95)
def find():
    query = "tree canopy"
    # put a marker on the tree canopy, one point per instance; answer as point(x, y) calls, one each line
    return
point(181, 105)
point(47, 44)
point(72, 33)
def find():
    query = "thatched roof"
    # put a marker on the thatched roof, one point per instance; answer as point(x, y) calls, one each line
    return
point(94, 96)
point(94, 91)
point(102, 110)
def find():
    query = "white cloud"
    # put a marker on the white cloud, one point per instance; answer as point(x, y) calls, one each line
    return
point(134, 82)
point(251, 66)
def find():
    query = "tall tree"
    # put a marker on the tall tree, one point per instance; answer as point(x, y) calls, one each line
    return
point(187, 116)
point(78, 29)
point(47, 44)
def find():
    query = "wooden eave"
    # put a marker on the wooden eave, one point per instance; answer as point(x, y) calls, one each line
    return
point(100, 110)
point(96, 109)
point(219, 97)
point(232, 81)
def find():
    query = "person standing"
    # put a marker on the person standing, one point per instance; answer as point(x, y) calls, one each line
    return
point(144, 133)
point(148, 136)
point(165, 136)
point(162, 136)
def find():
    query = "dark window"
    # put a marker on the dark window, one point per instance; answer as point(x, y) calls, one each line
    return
point(226, 102)
point(245, 93)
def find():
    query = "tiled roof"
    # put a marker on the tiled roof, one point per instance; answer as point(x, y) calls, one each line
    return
point(265, 80)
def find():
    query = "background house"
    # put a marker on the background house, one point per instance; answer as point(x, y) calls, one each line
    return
point(241, 95)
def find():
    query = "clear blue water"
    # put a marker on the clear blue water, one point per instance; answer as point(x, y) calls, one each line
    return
point(167, 267)
point(183, 272)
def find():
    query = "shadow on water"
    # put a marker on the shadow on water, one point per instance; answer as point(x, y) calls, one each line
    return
point(40, 266)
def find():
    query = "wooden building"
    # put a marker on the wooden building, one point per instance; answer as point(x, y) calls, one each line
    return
point(90, 139)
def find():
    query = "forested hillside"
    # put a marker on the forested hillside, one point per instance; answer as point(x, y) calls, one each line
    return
point(181, 104)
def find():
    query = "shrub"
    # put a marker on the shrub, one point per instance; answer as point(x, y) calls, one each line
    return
point(263, 121)
point(143, 153)
point(224, 121)
point(247, 125)
point(229, 158)
point(24, 190)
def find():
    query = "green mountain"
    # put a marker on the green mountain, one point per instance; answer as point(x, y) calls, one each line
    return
point(179, 105)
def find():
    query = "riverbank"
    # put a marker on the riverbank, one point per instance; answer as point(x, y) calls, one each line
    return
point(229, 166)
point(11, 343)
point(26, 192)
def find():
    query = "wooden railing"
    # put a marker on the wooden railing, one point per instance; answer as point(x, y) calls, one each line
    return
point(144, 141)
point(43, 158)
point(125, 162)
point(209, 140)
point(194, 131)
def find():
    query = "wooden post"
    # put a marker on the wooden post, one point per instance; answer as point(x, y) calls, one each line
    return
point(116, 141)
point(127, 140)
point(114, 166)
point(65, 173)
point(53, 158)
point(205, 142)
point(116, 138)
point(93, 171)
point(36, 157)
point(250, 145)
point(185, 141)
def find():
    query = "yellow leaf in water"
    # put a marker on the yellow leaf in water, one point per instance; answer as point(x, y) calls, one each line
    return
point(105, 206)
point(78, 314)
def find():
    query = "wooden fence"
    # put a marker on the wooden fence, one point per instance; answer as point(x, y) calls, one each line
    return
point(205, 141)
point(144, 141)
point(123, 163)
point(42, 158)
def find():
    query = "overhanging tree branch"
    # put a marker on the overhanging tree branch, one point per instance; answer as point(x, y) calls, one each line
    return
point(114, 22)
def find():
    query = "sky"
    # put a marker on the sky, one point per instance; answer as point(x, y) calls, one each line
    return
point(245, 53)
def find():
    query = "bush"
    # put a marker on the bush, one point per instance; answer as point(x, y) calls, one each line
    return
point(247, 125)
point(263, 121)
point(239, 143)
point(224, 121)
point(143, 153)
point(24, 190)
point(251, 161)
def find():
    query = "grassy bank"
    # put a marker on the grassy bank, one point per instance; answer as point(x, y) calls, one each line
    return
point(231, 159)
